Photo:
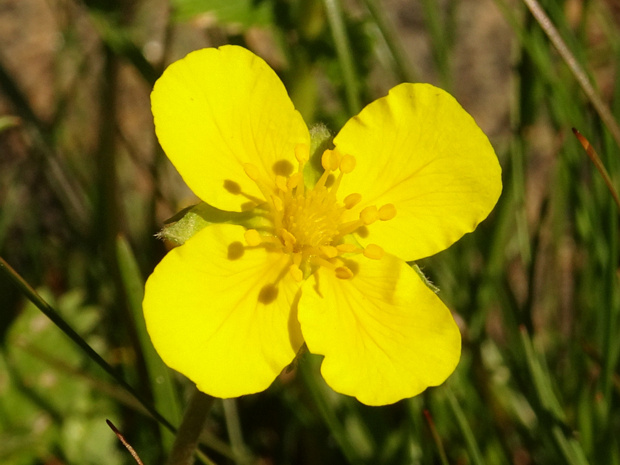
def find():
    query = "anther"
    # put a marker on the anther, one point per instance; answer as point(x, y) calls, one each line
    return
point(252, 237)
point(288, 239)
point(251, 170)
point(330, 160)
point(294, 180)
point(352, 200)
point(347, 248)
point(281, 183)
point(387, 212)
point(301, 153)
point(369, 215)
point(343, 272)
point(374, 252)
point(347, 164)
point(329, 250)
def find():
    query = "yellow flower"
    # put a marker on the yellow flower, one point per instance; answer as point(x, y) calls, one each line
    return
point(324, 262)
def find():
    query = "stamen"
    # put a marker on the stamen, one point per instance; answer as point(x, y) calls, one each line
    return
point(281, 183)
point(329, 250)
point(369, 215)
point(288, 239)
point(302, 153)
point(343, 272)
point(352, 200)
point(296, 273)
point(277, 203)
point(294, 180)
point(330, 160)
point(387, 212)
point(374, 252)
point(252, 237)
point(347, 248)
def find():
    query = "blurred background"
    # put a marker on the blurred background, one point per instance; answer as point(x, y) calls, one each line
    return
point(84, 188)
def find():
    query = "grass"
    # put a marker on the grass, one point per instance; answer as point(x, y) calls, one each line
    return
point(84, 188)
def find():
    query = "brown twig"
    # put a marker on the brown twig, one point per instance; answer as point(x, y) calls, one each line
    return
point(131, 450)
point(599, 165)
point(570, 60)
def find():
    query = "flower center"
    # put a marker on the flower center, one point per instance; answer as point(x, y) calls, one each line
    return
point(307, 223)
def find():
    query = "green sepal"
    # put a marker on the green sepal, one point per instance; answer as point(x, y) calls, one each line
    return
point(423, 277)
point(190, 220)
point(320, 140)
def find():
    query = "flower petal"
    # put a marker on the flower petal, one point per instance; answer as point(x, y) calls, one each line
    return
point(384, 334)
point(420, 151)
point(221, 313)
point(217, 109)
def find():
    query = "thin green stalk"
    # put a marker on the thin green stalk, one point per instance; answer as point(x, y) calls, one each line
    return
point(438, 33)
point(343, 49)
point(326, 411)
point(48, 311)
point(164, 395)
point(233, 427)
point(438, 442)
point(192, 425)
point(569, 447)
point(570, 60)
point(472, 446)
point(403, 65)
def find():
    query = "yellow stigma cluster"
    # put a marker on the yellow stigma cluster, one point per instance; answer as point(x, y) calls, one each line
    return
point(307, 223)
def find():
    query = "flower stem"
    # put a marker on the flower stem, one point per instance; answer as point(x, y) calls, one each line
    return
point(192, 425)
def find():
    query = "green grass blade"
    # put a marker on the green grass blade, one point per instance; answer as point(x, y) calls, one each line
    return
point(403, 67)
point(575, 68)
point(53, 315)
point(569, 447)
point(343, 49)
point(470, 439)
point(164, 394)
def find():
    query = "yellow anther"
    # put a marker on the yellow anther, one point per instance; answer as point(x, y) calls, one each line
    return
point(294, 181)
point(352, 200)
point(329, 250)
point(302, 153)
point(374, 252)
point(326, 159)
point(330, 160)
point(369, 215)
point(251, 170)
point(387, 212)
point(343, 272)
point(296, 273)
point(347, 164)
point(252, 237)
point(281, 183)
point(347, 248)
point(288, 239)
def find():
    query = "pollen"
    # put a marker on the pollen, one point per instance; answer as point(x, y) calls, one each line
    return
point(308, 221)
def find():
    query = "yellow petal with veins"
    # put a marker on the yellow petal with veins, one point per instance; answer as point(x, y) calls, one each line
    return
point(218, 109)
point(221, 313)
point(420, 151)
point(385, 335)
